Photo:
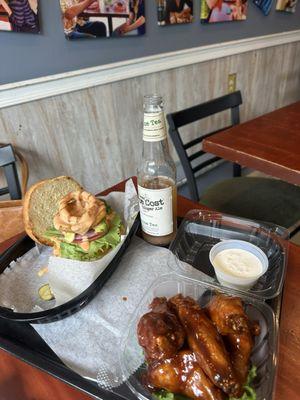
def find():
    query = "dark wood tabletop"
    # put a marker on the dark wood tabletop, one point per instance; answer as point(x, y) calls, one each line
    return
point(19, 381)
point(270, 144)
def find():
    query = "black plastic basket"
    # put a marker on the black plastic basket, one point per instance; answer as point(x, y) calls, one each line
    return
point(72, 306)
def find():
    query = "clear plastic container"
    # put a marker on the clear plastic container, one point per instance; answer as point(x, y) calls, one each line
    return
point(264, 355)
point(201, 230)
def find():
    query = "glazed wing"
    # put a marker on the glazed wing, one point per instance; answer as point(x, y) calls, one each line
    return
point(228, 315)
point(182, 375)
point(205, 341)
point(160, 332)
point(240, 347)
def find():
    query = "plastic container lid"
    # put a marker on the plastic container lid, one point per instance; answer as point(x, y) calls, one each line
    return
point(201, 230)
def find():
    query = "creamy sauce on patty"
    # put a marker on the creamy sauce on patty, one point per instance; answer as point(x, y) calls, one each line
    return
point(238, 262)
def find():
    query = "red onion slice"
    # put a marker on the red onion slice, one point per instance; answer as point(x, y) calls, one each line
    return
point(90, 236)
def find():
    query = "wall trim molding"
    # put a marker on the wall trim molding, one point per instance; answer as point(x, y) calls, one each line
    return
point(53, 85)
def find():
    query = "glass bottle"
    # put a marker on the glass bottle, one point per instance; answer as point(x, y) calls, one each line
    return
point(157, 177)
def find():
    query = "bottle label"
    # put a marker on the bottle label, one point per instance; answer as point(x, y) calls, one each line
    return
point(156, 210)
point(154, 127)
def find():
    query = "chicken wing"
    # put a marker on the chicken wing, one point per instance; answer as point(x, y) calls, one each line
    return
point(205, 341)
point(182, 375)
point(229, 317)
point(160, 332)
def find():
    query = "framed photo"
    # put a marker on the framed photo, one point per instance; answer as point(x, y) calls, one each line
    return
point(19, 16)
point(223, 10)
point(170, 12)
point(103, 18)
point(286, 5)
point(264, 5)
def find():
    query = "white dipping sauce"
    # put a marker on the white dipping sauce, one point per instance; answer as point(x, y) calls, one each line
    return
point(238, 262)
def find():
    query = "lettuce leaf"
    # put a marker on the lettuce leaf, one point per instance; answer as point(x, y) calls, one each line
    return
point(165, 395)
point(102, 227)
point(249, 393)
point(53, 233)
point(97, 247)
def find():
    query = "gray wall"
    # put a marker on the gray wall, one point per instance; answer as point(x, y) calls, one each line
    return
point(25, 56)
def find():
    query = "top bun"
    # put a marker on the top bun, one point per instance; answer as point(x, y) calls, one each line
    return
point(41, 203)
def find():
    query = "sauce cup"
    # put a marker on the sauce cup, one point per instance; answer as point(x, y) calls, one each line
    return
point(230, 280)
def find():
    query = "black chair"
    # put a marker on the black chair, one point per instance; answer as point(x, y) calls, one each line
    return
point(189, 115)
point(8, 161)
point(264, 199)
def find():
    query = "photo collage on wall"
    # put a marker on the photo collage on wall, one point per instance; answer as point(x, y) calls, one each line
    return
point(223, 10)
point(103, 18)
point(170, 12)
point(125, 18)
point(19, 16)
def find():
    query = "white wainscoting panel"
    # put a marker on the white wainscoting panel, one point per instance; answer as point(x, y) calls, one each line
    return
point(53, 85)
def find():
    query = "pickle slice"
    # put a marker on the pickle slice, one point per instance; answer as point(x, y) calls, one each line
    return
point(45, 293)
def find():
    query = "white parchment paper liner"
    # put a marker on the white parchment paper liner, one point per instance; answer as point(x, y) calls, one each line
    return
point(89, 341)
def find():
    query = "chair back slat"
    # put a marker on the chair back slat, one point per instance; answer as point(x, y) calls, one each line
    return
point(196, 155)
point(189, 115)
point(192, 143)
point(200, 139)
point(205, 164)
point(195, 113)
point(4, 191)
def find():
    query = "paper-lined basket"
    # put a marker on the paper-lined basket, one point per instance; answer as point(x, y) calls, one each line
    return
point(74, 283)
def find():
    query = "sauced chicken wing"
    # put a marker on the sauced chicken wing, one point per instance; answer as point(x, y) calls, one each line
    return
point(229, 317)
point(160, 332)
point(207, 344)
point(182, 375)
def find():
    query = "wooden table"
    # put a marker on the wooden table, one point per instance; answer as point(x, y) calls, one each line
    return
point(19, 381)
point(270, 144)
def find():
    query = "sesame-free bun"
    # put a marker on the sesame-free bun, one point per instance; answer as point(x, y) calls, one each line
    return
point(41, 203)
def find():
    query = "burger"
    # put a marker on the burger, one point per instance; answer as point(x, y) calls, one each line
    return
point(58, 212)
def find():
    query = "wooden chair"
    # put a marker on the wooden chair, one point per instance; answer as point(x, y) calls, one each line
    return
point(263, 199)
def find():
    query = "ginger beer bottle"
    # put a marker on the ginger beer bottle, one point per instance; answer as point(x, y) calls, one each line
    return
point(157, 177)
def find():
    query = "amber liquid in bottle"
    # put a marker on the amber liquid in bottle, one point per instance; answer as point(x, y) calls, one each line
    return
point(157, 178)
